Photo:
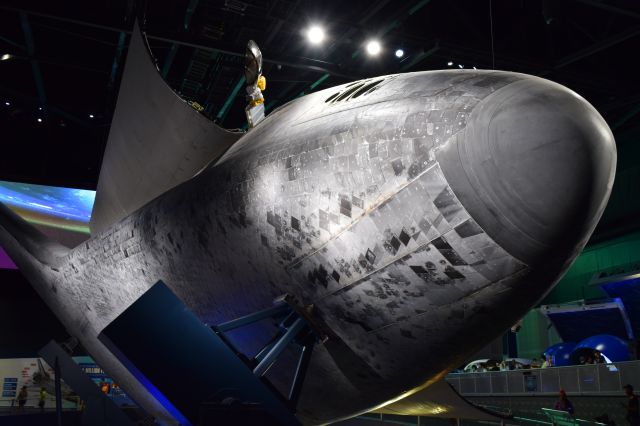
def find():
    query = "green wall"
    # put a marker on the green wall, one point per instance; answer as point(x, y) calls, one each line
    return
point(536, 335)
point(623, 210)
point(618, 255)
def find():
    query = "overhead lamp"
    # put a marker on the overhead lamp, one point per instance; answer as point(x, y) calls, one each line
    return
point(315, 34)
point(7, 103)
point(373, 47)
point(399, 53)
point(450, 63)
point(39, 120)
point(91, 115)
point(460, 66)
point(5, 57)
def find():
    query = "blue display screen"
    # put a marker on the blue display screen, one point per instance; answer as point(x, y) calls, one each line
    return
point(68, 209)
point(68, 204)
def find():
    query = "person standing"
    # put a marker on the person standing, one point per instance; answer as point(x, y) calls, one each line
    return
point(548, 362)
point(22, 398)
point(633, 406)
point(43, 398)
point(563, 403)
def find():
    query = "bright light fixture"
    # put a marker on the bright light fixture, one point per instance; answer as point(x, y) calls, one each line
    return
point(373, 47)
point(450, 63)
point(91, 115)
point(399, 53)
point(5, 57)
point(39, 120)
point(460, 66)
point(315, 35)
point(7, 103)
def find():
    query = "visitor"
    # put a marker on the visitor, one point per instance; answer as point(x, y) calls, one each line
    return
point(22, 398)
point(563, 403)
point(548, 362)
point(43, 398)
point(632, 406)
point(633, 350)
point(598, 358)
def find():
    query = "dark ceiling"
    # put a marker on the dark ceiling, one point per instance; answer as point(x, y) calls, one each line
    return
point(67, 58)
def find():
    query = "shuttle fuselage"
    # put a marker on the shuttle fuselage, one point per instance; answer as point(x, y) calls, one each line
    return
point(421, 214)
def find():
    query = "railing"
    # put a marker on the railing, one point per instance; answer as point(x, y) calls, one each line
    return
point(72, 403)
point(593, 379)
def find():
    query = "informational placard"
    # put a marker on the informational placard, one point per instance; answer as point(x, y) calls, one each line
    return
point(104, 382)
point(9, 387)
point(531, 383)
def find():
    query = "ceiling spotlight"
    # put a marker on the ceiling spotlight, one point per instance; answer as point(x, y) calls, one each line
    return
point(460, 66)
point(475, 68)
point(39, 120)
point(373, 47)
point(7, 103)
point(399, 53)
point(5, 57)
point(315, 35)
point(91, 115)
point(39, 108)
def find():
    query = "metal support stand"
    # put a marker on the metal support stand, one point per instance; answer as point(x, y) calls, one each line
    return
point(294, 328)
point(58, 387)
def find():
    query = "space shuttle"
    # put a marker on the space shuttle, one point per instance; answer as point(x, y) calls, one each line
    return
point(420, 215)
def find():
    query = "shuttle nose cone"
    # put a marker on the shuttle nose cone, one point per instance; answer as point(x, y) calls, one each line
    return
point(534, 168)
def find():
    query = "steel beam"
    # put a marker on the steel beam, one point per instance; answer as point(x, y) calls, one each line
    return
point(326, 67)
point(597, 47)
point(12, 43)
point(268, 360)
point(116, 59)
point(251, 318)
point(301, 372)
point(169, 60)
point(602, 5)
point(626, 117)
point(191, 8)
point(227, 104)
point(35, 67)
point(314, 84)
point(420, 57)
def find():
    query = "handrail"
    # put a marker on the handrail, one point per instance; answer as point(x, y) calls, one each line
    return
point(33, 402)
point(590, 379)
